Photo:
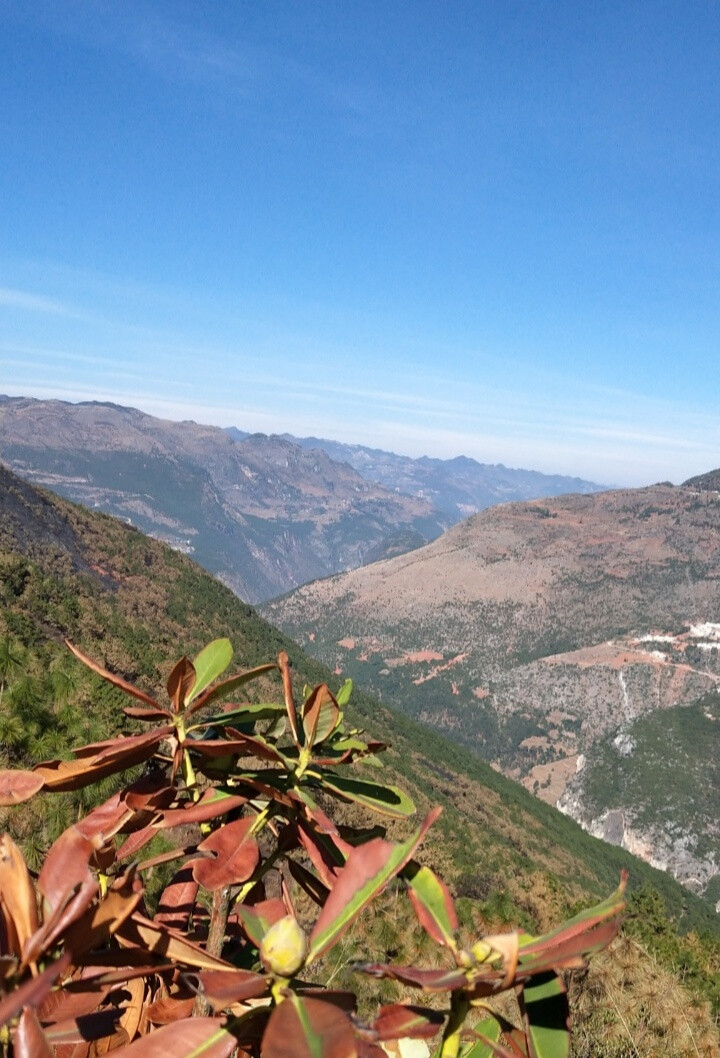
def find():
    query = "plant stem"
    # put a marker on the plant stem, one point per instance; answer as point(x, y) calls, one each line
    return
point(216, 936)
point(460, 1005)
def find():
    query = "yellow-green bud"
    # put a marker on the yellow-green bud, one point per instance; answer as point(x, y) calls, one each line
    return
point(283, 947)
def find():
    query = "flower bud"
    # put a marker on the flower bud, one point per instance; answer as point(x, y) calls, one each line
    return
point(283, 947)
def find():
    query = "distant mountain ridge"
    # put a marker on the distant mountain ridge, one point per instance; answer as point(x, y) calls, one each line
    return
point(264, 514)
point(459, 487)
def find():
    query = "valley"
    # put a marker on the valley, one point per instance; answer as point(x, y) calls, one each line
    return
point(541, 633)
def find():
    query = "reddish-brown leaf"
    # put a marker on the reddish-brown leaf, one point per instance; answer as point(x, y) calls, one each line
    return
point(67, 886)
point(239, 745)
point(117, 681)
point(190, 1038)
point(124, 747)
point(301, 796)
point(99, 923)
point(366, 1049)
point(29, 1039)
point(149, 793)
point(165, 1011)
point(17, 786)
point(308, 1028)
point(180, 682)
point(367, 871)
point(64, 1004)
point(88, 767)
point(428, 980)
point(139, 712)
point(570, 953)
point(140, 932)
point(397, 1020)
point(107, 819)
point(32, 992)
point(212, 804)
point(65, 868)
point(135, 842)
point(236, 855)
point(284, 665)
point(320, 715)
point(325, 856)
point(178, 899)
point(133, 1013)
point(584, 922)
point(221, 988)
point(18, 904)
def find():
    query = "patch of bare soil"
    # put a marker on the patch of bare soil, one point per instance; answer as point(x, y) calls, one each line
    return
point(548, 781)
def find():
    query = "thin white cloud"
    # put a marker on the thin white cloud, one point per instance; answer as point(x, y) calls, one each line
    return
point(28, 302)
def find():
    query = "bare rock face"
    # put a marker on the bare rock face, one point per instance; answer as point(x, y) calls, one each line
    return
point(667, 850)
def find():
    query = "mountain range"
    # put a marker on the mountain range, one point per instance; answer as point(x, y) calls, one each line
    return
point(264, 514)
point(560, 639)
point(458, 487)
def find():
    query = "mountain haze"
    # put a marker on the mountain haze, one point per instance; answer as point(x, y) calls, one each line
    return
point(265, 514)
point(459, 487)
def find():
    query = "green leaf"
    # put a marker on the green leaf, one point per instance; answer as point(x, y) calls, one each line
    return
point(209, 664)
point(390, 800)
point(546, 1013)
point(244, 715)
point(433, 904)
point(488, 1032)
point(367, 871)
point(343, 695)
point(231, 684)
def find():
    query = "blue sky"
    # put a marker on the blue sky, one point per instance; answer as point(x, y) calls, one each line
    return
point(487, 227)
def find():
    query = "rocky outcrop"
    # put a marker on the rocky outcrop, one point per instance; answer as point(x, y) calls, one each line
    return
point(669, 850)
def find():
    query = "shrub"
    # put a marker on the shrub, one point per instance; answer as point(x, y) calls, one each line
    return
point(260, 881)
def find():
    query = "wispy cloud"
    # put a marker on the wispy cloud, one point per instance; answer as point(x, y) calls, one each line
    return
point(28, 302)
